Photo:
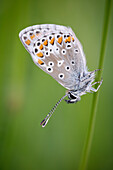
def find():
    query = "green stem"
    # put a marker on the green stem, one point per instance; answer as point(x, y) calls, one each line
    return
point(87, 148)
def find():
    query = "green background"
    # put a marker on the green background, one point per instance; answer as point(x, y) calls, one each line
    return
point(27, 93)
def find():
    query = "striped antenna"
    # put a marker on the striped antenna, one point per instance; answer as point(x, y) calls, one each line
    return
point(45, 121)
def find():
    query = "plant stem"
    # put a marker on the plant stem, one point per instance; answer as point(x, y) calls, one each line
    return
point(87, 148)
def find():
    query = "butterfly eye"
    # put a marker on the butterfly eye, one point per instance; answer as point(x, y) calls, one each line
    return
point(51, 63)
point(71, 96)
point(49, 69)
point(61, 76)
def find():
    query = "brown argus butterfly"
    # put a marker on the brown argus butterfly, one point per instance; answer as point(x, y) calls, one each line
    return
point(58, 52)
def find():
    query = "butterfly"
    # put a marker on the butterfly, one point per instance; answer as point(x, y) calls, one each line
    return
point(57, 51)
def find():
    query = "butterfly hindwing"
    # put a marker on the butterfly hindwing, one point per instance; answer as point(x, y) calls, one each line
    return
point(56, 50)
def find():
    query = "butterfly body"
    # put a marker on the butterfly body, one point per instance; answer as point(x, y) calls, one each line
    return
point(57, 51)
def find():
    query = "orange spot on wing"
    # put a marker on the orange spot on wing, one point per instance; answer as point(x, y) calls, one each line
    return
point(32, 36)
point(52, 41)
point(40, 62)
point(60, 40)
point(40, 54)
point(45, 43)
point(28, 42)
point(73, 39)
point(68, 39)
point(41, 47)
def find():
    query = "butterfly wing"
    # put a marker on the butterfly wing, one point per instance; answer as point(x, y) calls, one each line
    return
point(57, 51)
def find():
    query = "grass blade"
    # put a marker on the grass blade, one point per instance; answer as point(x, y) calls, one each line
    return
point(88, 142)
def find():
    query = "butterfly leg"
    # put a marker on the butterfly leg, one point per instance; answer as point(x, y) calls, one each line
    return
point(89, 75)
point(98, 82)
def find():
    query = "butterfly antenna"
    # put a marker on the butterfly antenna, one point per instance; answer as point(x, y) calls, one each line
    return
point(45, 121)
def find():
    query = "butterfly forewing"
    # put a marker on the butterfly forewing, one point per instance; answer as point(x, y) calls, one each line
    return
point(56, 50)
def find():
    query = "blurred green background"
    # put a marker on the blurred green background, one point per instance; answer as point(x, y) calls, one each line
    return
point(27, 93)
